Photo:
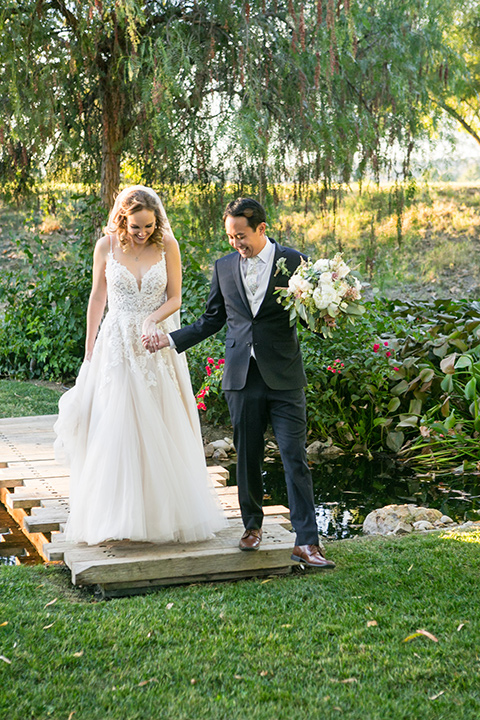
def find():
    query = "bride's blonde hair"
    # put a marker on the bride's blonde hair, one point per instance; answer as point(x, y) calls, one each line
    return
point(130, 200)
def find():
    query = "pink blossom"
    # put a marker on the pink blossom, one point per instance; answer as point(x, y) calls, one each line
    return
point(210, 361)
point(201, 394)
point(388, 354)
point(376, 347)
point(396, 369)
point(221, 362)
point(386, 344)
point(329, 367)
point(201, 406)
point(208, 369)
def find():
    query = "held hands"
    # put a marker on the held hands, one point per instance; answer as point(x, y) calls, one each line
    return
point(152, 339)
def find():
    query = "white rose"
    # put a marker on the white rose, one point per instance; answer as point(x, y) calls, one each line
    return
point(342, 269)
point(326, 278)
point(298, 284)
point(322, 265)
point(324, 296)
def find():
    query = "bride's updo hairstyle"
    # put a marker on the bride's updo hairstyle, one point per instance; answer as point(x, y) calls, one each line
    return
point(129, 201)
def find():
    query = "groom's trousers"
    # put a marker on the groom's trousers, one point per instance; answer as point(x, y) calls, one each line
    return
point(250, 411)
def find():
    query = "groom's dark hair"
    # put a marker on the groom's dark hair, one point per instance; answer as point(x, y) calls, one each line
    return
point(249, 208)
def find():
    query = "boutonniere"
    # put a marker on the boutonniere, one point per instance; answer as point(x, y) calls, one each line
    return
point(282, 268)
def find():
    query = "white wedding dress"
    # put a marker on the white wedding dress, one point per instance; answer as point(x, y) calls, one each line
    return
point(130, 430)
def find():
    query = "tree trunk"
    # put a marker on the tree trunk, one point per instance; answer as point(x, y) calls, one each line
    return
point(112, 142)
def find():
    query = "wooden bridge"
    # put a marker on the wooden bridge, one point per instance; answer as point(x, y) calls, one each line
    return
point(35, 489)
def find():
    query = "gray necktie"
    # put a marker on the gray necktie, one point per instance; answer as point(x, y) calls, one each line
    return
point(251, 278)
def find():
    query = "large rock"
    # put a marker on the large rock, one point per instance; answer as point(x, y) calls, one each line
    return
point(386, 520)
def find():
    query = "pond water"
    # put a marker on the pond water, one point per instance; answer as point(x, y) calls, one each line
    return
point(348, 488)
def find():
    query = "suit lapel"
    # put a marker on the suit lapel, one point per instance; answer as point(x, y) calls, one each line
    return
point(273, 282)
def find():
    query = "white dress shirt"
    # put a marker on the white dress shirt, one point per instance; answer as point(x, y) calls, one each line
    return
point(266, 256)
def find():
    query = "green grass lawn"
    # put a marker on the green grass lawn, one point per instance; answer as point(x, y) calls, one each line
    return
point(325, 645)
point(18, 399)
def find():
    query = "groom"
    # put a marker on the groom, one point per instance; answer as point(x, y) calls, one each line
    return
point(263, 377)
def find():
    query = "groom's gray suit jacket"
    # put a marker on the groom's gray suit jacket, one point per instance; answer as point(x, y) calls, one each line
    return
point(275, 342)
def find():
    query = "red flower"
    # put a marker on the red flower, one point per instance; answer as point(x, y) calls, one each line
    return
point(376, 347)
point(396, 369)
point(221, 362)
point(210, 361)
point(386, 344)
point(388, 354)
point(201, 406)
point(329, 367)
point(208, 369)
point(200, 394)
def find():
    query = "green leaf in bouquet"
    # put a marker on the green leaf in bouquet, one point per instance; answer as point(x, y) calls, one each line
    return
point(292, 315)
point(353, 309)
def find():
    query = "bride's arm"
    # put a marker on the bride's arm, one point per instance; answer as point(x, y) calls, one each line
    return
point(174, 286)
point(98, 295)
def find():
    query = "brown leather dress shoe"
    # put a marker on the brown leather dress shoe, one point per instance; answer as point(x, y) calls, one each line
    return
point(312, 556)
point(251, 539)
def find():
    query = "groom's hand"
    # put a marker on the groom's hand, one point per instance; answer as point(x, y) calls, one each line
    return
point(155, 342)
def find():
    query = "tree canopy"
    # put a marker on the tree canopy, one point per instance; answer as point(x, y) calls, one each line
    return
point(210, 89)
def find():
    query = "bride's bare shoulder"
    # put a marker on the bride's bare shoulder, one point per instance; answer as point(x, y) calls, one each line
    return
point(104, 245)
point(170, 244)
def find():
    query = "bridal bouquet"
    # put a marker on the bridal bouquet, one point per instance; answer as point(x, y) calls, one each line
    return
point(321, 292)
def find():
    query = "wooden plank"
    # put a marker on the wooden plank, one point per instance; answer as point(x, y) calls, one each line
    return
point(219, 470)
point(131, 562)
point(113, 590)
point(11, 549)
point(45, 522)
point(10, 484)
point(30, 470)
point(29, 421)
point(38, 539)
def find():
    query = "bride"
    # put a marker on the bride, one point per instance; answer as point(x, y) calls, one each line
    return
point(129, 428)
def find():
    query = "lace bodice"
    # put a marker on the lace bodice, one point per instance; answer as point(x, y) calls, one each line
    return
point(128, 306)
point(124, 295)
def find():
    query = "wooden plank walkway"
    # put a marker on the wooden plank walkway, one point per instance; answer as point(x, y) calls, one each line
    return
point(35, 491)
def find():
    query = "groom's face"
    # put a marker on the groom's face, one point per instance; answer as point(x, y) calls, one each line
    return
point(242, 238)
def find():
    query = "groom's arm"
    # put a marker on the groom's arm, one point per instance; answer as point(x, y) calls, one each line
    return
point(209, 323)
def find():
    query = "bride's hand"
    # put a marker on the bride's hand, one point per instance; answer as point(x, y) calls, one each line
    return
point(149, 328)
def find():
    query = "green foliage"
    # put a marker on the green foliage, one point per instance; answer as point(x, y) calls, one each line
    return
point(286, 89)
point(42, 333)
point(409, 382)
point(43, 328)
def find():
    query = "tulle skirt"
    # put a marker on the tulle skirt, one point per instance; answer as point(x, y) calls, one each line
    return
point(132, 438)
